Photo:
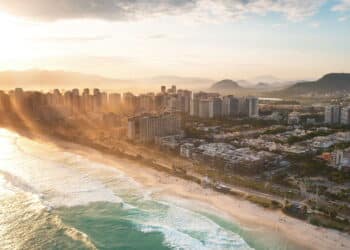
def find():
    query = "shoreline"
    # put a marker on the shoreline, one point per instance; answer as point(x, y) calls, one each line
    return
point(165, 186)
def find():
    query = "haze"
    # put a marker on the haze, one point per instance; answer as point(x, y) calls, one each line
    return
point(298, 39)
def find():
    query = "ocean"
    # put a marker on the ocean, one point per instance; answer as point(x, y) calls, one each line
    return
point(54, 199)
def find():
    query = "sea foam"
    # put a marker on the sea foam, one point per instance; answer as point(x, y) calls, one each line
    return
point(60, 178)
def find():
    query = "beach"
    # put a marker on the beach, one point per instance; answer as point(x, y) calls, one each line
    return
point(187, 193)
point(77, 184)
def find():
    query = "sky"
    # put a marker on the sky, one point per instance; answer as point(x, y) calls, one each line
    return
point(128, 39)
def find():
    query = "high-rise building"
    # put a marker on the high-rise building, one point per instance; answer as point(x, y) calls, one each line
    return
point(87, 101)
point(97, 100)
point(104, 100)
point(4, 101)
point(203, 109)
point(129, 100)
point(68, 100)
point(332, 114)
point(75, 100)
point(86, 91)
point(75, 92)
point(160, 101)
point(173, 103)
point(199, 104)
point(252, 106)
point(184, 100)
point(345, 116)
point(114, 101)
point(230, 106)
point(18, 92)
point(215, 107)
point(163, 89)
point(57, 99)
point(194, 109)
point(147, 102)
point(146, 128)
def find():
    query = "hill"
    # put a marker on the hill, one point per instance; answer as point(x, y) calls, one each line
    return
point(328, 84)
point(225, 85)
point(262, 85)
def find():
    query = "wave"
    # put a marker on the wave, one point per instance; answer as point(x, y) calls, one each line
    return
point(185, 229)
point(56, 181)
point(25, 217)
point(73, 233)
point(63, 179)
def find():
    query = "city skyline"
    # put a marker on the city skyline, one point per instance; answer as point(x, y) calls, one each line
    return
point(175, 124)
point(291, 40)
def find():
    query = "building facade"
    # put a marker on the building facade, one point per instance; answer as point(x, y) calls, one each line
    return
point(345, 116)
point(215, 107)
point(332, 114)
point(203, 109)
point(146, 128)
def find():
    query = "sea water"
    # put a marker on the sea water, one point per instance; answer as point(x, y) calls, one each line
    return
point(53, 199)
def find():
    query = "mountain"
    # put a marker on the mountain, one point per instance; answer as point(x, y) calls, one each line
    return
point(48, 80)
point(45, 80)
point(225, 85)
point(262, 85)
point(244, 83)
point(266, 79)
point(328, 84)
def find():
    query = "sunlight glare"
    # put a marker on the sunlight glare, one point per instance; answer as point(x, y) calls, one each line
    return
point(14, 44)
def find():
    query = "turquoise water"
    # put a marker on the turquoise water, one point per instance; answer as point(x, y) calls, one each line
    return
point(52, 199)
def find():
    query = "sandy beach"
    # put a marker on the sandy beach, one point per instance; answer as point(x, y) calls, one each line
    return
point(247, 214)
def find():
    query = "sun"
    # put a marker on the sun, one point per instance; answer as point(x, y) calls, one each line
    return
point(14, 42)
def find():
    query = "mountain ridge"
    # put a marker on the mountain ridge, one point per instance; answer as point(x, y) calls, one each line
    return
point(327, 84)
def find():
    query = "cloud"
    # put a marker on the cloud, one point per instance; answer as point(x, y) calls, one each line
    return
point(124, 10)
point(343, 18)
point(292, 9)
point(101, 9)
point(314, 24)
point(343, 5)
